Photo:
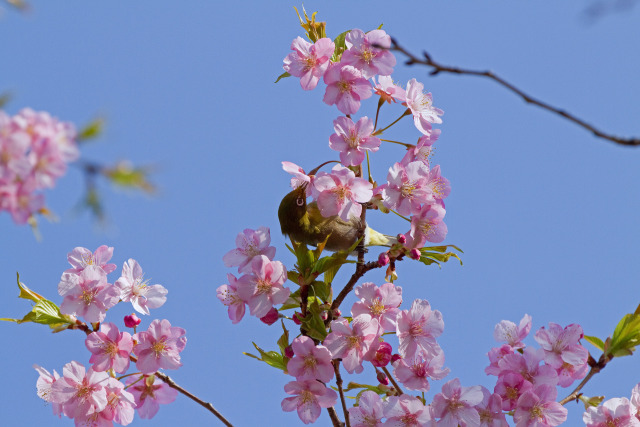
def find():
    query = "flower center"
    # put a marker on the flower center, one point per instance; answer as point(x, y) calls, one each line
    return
point(310, 362)
point(344, 86)
point(342, 192)
point(159, 347)
point(353, 342)
point(408, 188)
point(263, 286)
point(512, 393)
point(377, 308)
point(415, 329)
point(88, 296)
point(352, 139)
point(310, 62)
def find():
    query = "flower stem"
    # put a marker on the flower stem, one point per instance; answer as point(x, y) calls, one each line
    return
point(336, 368)
point(406, 113)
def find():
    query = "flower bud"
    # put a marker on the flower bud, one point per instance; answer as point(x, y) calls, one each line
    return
point(288, 352)
point(415, 253)
point(337, 313)
point(132, 320)
point(382, 355)
point(395, 358)
point(324, 315)
point(271, 317)
point(383, 259)
point(297, 318)
point(382, 378)
point(402, 239)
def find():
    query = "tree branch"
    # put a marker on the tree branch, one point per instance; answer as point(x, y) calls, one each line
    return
point(595, 368)
point(439, 68)
point(336, 368)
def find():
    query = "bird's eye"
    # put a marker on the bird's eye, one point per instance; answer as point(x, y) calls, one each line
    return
point(300, 201)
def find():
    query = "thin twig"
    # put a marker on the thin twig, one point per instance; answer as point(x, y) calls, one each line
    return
point(336, 368)
point(439, 68)
point(395, 384)
point(595, 368)
point(361, 270)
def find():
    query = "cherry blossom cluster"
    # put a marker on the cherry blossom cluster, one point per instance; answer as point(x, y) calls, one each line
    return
point(97, 396)
point(414, 187)
point(35, 149)
point(618, 411)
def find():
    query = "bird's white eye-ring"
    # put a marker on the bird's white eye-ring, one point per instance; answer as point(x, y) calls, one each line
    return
point(300, 201)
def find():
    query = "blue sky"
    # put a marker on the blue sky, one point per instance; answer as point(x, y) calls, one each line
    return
point(545, 212)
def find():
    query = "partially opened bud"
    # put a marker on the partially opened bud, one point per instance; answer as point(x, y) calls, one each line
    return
point(271, 317)
point(131, 321)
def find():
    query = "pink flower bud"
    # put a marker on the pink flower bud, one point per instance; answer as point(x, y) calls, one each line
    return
point(132, 320)
point(288, 352)
point(337, 313)
point(297, 318)
point(271, 317)
point(395, 358)
point(382, 378)
point(402, 239)
point(383, 258)
point(415, 253)
point(324, 315)
point(382, 356)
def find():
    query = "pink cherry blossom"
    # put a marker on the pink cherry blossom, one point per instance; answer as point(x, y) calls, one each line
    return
point(310, 361)
point(568, 374)
point(341, 193)
point(490, 410)
point(87, 294)
point(228, 294)
point(635, 400)
point(561, 345)
point(134, 289)
point(495, 355)
point(345, 88)
point(510, 386)
point(379, 354)
point(44, 387)
point(362, 54)
point(250, 244)
point(80, 258)
point(21, 200)
point(159, 347)
point(438, 185)
point(351, 342)
point(406, 188)
point(80, 392)
point(309, 61)
point(369, 412)
point(422, 151)
point(300, 178)
point(513, 335)
point(351, 140)
point(387, 90)
point(407, 411)
point(110, 348)
point(427, 225)
point(120, 407)
point(421, 106)
point(379, 302)
point(418, 328)
point(528, 365)
point(456, 404)
point(613, 412)
point(47, 163)
point(149, 394)
point(263, 289)
point(308, 397)
point(414, 372)
point(538, 408)
point(131, 320)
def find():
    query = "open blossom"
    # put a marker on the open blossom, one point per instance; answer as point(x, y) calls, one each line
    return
point(80, 258)
point(134, 289)
point(513, 335)
point(406, 188)
point(362, 54)
point(613, 412)
point(80, 392)
point(43, 385)
point(407, 411)
point(490, 410)
point(379, 302)
point(120, 407)
point(418, 328)
point(438, 185)
point(110, 348)
point(414, 372)
point(149, 394)
point(456, 404)
point(351, 140)
point(427, 225)
point(263, 289)
point(351, 342)
point(309, 61)
point(20, 199)
point(538, 408)
point(345, 88)
point(379, 354)
point(299, 176)
point(495, 355)
point(308, 398)
point(561, 345)
point(310, 362)
point(250, 244)
point(341, 193)
point(528, 365)
point(369, 412)
point(228, 294)
point(422, 151)
point(87, 294)
point(159, 347)
point(421, 106)
point(387, 90)
point(510, 386)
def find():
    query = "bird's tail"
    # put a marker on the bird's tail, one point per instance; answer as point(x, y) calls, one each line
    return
point(374, 238)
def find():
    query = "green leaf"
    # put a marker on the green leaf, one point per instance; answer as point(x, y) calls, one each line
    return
point(283, 341)
point(294, 276)
point(282, 76)
point(595, 341)
point(91, 130)
point(26, 293)
point(313, 323)
point(341, 46)
point(48, 313)
point(323, 291)
point(625, 337)
point(590, 401)
point(271, 358)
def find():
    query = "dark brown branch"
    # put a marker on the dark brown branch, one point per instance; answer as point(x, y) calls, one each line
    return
point(361, 270)
point(393, 381)
point(336, 368)
point(334, 418)
point(437, 68)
